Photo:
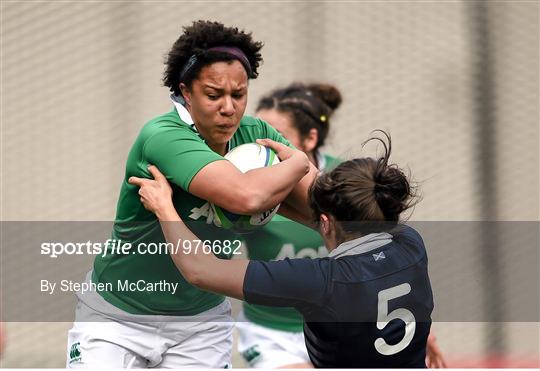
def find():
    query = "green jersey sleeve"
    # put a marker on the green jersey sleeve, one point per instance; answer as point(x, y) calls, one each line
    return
point(252, 128)
point(180, 154)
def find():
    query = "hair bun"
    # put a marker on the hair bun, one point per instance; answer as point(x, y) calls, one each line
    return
point(392, 191)
point(328, 93)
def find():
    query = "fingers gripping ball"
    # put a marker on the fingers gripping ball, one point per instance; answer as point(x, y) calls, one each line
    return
point(246, 157)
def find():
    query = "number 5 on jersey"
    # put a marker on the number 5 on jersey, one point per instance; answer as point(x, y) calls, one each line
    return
point(383, 318)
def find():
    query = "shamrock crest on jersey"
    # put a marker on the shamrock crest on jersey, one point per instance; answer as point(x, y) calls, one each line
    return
point(205, 211)
point(75, 353)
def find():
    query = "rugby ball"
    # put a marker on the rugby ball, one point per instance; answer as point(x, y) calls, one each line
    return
point(246, 157)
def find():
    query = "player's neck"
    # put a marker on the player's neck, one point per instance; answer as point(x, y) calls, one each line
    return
point(219, 148)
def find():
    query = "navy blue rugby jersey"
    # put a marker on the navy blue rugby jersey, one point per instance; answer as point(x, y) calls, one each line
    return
point(368, 306)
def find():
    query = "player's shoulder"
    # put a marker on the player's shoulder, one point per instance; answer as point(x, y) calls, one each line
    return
point(167, 124)
point(248, 121)
point(168, 118)
point(252, 124)
point(406, 235)
point(405, 249)
point(297, 267)
point(252, 128)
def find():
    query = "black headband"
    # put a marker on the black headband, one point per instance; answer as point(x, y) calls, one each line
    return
point(231, 50)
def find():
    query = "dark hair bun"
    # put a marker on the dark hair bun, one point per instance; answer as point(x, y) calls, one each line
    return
point(329, 94)
point(392, 191)
point(367, 190)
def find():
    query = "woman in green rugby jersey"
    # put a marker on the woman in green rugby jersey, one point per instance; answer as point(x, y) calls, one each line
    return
point(207, 71)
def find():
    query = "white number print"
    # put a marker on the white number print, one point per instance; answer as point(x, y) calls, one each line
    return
point(383, 318)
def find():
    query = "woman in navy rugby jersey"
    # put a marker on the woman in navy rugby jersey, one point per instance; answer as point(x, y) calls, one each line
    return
point(369, 303)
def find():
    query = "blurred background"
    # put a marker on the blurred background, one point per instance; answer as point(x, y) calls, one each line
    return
point(455, 82)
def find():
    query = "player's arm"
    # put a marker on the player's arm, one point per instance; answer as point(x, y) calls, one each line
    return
point(278, 283)
point(256, 190)
point(190, 164)
point(201, 269)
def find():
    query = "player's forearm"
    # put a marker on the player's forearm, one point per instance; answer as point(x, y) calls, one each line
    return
point(199, 268)
point(270, 186)
point(225, 277)
point(192, 262)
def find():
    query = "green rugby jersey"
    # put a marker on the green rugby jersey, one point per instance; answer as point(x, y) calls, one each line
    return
point(283, 238)
point(179, 152)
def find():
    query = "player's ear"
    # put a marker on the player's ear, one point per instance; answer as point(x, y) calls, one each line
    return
point(309, 141)
point(325, 224)
point(186, 93)
point(327, 229)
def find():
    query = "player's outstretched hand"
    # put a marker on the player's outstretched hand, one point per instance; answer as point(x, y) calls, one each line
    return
point(434, 355)
point(156, 195)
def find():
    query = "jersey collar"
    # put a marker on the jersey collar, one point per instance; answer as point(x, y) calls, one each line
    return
point(178, 102)
point(361, 245)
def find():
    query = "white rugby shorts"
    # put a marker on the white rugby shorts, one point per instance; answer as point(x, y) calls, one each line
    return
point(263, 347)
point(112, 338)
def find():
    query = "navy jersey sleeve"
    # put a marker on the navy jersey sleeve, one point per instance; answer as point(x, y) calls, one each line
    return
point(287, 283)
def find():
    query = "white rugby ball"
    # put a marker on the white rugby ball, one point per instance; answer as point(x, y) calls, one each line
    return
point(246, 157)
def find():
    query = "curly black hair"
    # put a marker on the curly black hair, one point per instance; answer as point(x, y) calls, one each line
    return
point(196, 40)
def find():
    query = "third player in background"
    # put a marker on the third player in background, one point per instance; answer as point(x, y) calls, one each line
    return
point(271, 337)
